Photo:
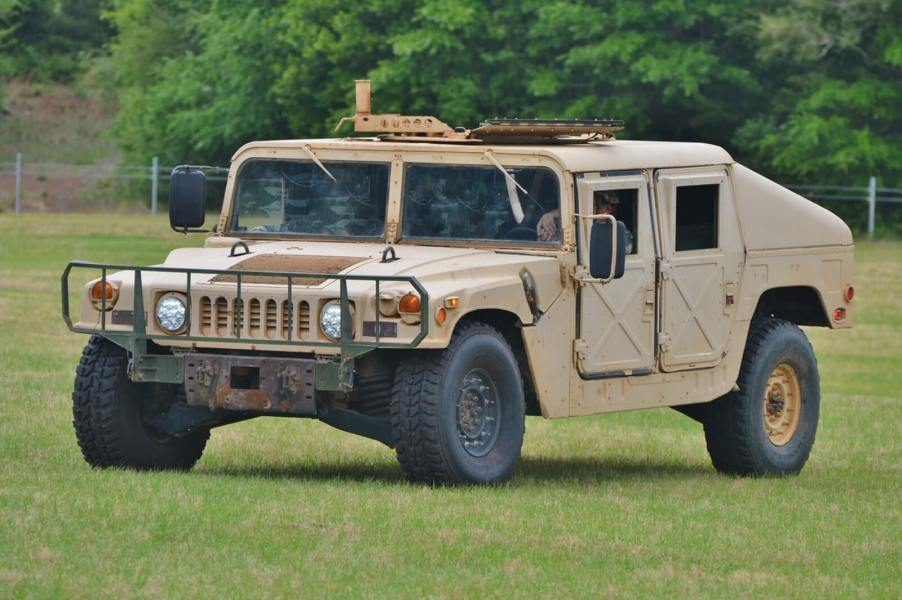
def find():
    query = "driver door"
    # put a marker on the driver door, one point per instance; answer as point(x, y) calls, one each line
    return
point(616, 320)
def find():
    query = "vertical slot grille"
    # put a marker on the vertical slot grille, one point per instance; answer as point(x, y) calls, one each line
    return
point(254, 318)
point(285, 319)
point(206, 315)
point(222, 316)
point(303, 319)
point(271, 318)
point(238, 319)
point(259, 318)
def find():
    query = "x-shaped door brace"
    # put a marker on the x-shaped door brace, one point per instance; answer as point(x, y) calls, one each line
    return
point(618, 312)
point(693, 307)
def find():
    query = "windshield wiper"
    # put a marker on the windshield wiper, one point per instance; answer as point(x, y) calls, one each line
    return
point(512, 196)
point(309, 152)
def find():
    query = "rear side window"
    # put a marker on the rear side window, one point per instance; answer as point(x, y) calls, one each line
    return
point(696, 217)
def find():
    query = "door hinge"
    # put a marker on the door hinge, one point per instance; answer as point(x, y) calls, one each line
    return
point(580, 349)
point(665, 270)
point(664, 342)
point(580, 273)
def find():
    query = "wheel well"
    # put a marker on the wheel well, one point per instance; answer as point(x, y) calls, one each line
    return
point(801, 305)
point(508, 325)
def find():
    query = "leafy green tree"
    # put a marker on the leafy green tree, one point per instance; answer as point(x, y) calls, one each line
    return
point(7, 29)
point(834, 116)
point(51, 39)
point(807, 90)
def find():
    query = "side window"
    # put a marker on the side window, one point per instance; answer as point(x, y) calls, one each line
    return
point(622, 204)
point(461, 202)
point(696, 217)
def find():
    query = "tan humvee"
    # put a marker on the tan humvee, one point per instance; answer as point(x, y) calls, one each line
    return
point(428, 287)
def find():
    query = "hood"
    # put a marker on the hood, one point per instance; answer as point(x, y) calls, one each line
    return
point(444, 270)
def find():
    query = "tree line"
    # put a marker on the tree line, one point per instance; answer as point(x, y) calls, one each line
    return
point(802, 90)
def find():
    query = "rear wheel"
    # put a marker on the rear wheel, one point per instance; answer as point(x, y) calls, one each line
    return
point(458, 414)
point(769, 425)
point(111, 415)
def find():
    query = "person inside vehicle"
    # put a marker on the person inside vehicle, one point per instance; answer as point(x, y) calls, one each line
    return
point(606, 202)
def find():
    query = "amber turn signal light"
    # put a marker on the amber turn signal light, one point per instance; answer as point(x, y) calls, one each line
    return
point(97, 292)
point(104, 294)
point(409, 304)
point(440, 315)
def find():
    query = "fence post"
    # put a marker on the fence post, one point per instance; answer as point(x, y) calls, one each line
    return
point(872, 206)
point(155, 176)
point(18, 182)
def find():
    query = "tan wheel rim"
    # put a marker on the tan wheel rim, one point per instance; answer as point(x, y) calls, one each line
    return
point(782, 404)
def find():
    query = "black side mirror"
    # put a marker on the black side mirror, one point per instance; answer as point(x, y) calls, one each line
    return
point(187, 196)
point(604, 256)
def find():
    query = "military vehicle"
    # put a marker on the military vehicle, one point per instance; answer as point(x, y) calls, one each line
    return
point(429, 287)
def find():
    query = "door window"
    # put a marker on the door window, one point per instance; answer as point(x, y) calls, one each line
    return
point(621, 204)
point(696, 217)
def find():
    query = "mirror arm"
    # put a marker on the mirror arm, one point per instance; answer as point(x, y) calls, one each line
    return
point(186, 230)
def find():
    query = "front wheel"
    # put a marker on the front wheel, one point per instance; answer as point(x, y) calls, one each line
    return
point(767, 427)
point(458, 414)
point(111, 415)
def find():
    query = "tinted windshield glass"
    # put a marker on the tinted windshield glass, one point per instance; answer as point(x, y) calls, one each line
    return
point(480, 203)
point(276, 196)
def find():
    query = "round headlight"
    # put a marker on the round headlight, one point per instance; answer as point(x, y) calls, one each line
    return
point(330, 320)
point(171, 313)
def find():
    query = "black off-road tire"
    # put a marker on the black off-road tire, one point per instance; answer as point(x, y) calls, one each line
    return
point(426, 408)
point(735, 430)
point(106, 411)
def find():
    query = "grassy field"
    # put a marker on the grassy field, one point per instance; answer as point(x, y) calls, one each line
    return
point(617, 505)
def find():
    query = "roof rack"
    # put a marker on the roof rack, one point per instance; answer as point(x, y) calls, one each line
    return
point(561, 130)
point(396, 127)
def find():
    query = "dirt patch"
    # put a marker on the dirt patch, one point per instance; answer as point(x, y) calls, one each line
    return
point(274, 263)
point(70, 160)
point(53, 101)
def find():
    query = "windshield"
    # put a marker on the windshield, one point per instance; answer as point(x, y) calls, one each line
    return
point(300, 197)
point(481, 203)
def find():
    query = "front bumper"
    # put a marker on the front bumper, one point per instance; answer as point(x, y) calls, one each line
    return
point(264, 385)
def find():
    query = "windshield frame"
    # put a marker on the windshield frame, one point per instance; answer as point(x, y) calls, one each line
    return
point(288, 235)
point(478, 242)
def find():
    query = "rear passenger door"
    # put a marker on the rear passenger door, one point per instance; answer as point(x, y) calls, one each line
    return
point(699, 270)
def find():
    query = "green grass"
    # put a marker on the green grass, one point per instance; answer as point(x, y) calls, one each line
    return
point(614, 505)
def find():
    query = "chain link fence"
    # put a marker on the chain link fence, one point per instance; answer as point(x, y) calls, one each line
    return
point(27, 186)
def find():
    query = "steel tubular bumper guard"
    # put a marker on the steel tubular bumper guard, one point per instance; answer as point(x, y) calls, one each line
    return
point(349, 347)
